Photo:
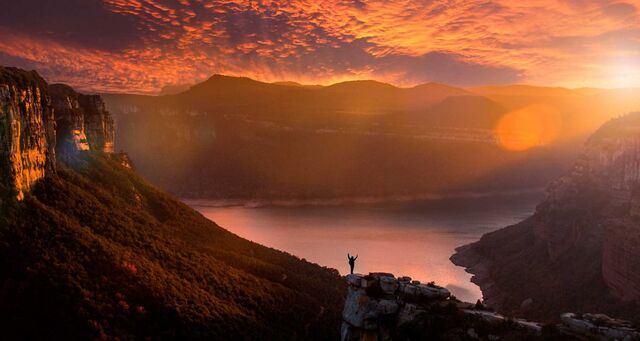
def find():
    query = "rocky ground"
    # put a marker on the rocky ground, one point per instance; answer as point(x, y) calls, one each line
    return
point(380, 306)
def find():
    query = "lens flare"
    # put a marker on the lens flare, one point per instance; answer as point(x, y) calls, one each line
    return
point(529, 127)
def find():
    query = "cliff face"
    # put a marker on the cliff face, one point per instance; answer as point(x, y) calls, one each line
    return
point(82, 120)
point(603, 189)
point(38, 121)
point(581, 248)
point(98, 123)
point(27, 130)
point(69, 119)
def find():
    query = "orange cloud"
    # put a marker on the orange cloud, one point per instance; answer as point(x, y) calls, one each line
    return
point(552, 42)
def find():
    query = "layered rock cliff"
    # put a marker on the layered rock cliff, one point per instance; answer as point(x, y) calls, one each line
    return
point(99, 124)
point(69, 119)
point(83, 123)
point(581, 248)
point(38, 121)
point(27, 130)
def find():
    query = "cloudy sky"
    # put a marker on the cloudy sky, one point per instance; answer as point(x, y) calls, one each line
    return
point(142, 45)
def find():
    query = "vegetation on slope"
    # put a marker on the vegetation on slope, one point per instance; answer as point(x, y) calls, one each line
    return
point(96, 252)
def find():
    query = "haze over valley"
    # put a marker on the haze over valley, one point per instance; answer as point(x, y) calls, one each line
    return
point(238, 139)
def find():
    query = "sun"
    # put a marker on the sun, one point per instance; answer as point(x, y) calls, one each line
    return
point(625, 74)
point(529, 127)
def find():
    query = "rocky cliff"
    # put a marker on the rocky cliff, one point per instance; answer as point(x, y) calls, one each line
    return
point(581, 248)
point(82, 121)
point(38, 121)
point(99, 124)
point(27, 130)
point(380, 306)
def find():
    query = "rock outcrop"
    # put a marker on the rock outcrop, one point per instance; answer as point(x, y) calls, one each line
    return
point(581, 248)
point(27, 130)
point(82, 120)
point(70, 119)
point(599, 326)
point(99, 125)
point(380, 306)
point(38, 121)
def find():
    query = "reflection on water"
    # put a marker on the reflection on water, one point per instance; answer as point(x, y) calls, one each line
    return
point(414, 239)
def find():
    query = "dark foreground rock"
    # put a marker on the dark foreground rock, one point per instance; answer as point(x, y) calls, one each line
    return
point(380, 306)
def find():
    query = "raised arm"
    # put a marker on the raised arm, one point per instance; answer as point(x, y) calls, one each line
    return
point(356, 257)
point(348, 256)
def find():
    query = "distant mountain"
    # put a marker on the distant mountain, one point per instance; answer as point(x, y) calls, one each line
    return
point(237, 138)
point(580, 251)
point(174, 89)
point(581, 111)
point(530, 90)
point(89, 250)
point(296, 84)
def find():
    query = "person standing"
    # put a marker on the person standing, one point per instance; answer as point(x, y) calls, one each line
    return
point(352, 261)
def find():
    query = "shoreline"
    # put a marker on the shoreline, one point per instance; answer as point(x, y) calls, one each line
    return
point(466, 257)
point(355, 200)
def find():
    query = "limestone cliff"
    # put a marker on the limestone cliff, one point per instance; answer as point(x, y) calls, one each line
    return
point(581, 248)
point(38, 121)
point(27, 130)
point(70, 119)
point(99, 126)
point(83, 122)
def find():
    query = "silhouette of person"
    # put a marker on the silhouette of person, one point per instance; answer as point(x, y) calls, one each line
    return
point(352, 261)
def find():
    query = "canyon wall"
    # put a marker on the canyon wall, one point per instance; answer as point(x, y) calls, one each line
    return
point(27, 130)
point(581, 247)
point(82, 121)
point(38, 122)
point(99, 124)
point(603, 187)
point(70, 122)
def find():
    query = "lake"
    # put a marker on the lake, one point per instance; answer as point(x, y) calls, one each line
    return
point(413, 239)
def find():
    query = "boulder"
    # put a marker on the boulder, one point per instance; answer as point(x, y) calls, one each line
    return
point(410, 289)
point(389, 285)
point(354, 279)
point(600, 326)
point(358, 308)
point(407, 314)
point(387, 307)
point(369, 282)
point(381, 274)
point(433, 292)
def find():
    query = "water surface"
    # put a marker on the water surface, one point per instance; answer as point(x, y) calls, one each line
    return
point(413, 239)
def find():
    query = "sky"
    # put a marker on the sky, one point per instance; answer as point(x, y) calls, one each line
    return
point(141, 46)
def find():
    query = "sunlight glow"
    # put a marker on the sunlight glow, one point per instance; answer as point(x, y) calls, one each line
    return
point(625, 75)
point(533, 126)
